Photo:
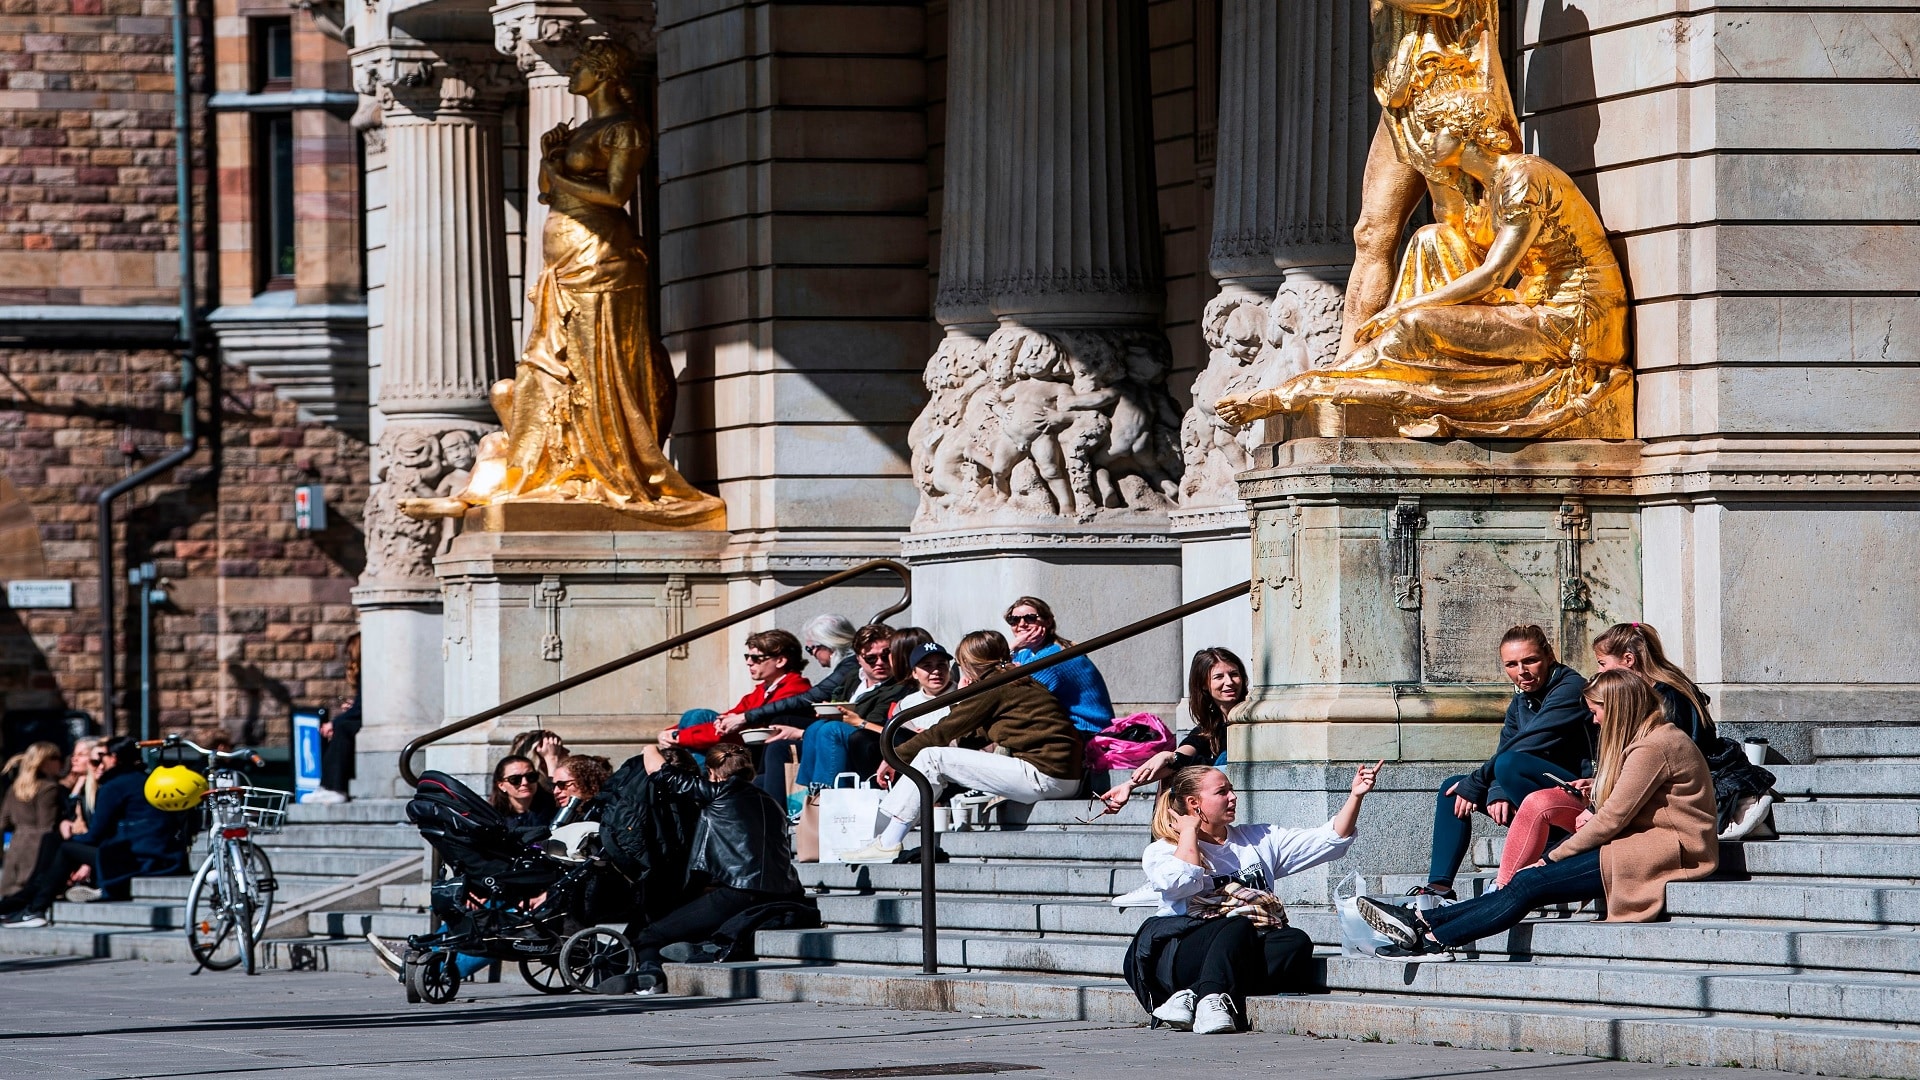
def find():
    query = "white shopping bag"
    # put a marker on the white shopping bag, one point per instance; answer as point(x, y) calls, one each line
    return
point(849, 816)
point(1356, 937)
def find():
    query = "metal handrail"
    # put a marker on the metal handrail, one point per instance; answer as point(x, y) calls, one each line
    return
point(674, 642)
point(929, 936)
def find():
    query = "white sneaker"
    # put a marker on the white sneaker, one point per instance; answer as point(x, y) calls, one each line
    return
point(1177, 1011)
point(82, 894)
point(325, 797)
point(1214, 1016)
point(875, 852)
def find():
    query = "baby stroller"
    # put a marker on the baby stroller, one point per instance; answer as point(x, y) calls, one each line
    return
point(513, 901)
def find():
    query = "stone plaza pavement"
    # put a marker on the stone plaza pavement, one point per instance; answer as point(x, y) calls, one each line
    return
point(101, 1019)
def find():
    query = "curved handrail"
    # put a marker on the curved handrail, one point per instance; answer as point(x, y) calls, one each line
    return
point(929, 935)
point(674, 642)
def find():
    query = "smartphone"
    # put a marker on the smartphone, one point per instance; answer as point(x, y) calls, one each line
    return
point(1564, 786)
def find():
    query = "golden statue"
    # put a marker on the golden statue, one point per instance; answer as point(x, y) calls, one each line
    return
point(1464, 348)
point(587, 411)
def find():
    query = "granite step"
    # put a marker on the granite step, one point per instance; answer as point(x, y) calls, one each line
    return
point(369, 837)
point(1035, 916)
point(1805, 945)
point(414, 896)
point(1869, 743)
point(1824, 900)
point(1000, 952)
point(356, 924)
point(1847, 780)
point(1847, 818)
point(119, 914)
point(359, 811)
point(1050, 879)
point(1655, 1036)
point(1050, 844)
point(1892, 861)
point(292, 886)
point(330, 862)
point(1066, 813)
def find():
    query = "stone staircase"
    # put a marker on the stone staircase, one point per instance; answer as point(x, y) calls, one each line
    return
point(330, 862)
point(1803, 955)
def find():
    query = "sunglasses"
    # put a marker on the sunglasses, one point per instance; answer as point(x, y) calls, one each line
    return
point(756, 658)
point(519, 779)
point(562, 785)
point(1023, 620)
point(877, 657)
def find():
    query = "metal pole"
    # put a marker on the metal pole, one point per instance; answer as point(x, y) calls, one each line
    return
point(142, 579)
point(929, 926)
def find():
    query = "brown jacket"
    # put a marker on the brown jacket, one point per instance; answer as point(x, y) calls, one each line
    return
point(1658, 825)
point(1023, 718)
point(30, 821)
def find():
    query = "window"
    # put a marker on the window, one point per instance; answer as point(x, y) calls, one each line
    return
point(273, 183)
point(272, 54)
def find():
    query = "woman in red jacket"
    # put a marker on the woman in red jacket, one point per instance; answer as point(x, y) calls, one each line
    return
point(774, 662)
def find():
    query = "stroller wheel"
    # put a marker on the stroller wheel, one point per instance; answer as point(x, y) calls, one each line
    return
point(433, 978)
point(599, 961)
point(545, 976)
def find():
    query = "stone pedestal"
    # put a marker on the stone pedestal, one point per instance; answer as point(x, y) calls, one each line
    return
point(401, 693)
point(526, 609)
point(1095, 579)
point(1214, 554)
point(1386, 571)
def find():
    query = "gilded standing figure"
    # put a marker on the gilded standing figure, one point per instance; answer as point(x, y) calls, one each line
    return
point(592, 398)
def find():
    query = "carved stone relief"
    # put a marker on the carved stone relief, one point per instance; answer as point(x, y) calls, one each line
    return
point(1033, 425)
point(1252, 342)
point(412, 461)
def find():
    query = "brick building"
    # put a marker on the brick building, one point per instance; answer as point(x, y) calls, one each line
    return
point(257, 613)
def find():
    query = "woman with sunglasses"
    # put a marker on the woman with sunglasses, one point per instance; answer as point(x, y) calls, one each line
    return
point(773, 662)
point(1077, 683)
point(517, 792)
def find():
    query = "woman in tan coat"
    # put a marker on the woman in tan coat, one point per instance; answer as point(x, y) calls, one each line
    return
point(30, 808)
point(1655, 823)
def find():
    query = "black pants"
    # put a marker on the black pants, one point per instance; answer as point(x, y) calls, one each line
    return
point(54, 864)
point(1229, 956)
point(692, 921)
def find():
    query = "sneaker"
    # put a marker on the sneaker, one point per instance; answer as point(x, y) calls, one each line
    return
point(647, 984)
point(1393, 920)
point(26, 920)
point(1430, 890)
point(82, 894)
point(875, 852)
point(325, 797)
point(1214, 1016)
point(1177, 1011)
point(388, 953)
point(1431, 955)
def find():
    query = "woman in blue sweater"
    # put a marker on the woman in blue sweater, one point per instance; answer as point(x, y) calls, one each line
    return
point(1077, 683)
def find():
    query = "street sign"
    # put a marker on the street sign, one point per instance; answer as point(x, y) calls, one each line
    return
point(40, 594)
point(306, 752)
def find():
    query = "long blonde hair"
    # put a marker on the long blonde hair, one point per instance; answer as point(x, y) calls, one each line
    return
point(1175, 790)
point(1641, 643)
point(27, 781)
point(83, 751)
point(1631, 708)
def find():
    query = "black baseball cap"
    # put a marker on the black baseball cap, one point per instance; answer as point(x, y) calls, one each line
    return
point(931, 648)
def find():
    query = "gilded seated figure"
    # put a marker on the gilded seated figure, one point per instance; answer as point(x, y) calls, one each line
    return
point(592, 396)
point(1458, 351)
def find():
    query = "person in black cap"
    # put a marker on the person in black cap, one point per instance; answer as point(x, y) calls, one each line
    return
point(932, 669)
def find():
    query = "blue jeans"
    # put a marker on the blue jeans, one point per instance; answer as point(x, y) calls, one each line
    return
point(825, 751)
point(1515, 776)
point(1572, 880)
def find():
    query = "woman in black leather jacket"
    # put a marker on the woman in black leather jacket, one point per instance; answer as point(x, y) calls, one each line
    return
point(740, 852)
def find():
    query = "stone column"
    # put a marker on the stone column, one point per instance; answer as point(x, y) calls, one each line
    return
point(445, 340)
point(542, 38)
point(1047, 457)
point(1296, 117)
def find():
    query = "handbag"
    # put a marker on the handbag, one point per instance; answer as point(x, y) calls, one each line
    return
point(849, 817)
point(806, 835)
point(1128, 742)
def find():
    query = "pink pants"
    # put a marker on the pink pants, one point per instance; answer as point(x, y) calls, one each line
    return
point(1548, 808)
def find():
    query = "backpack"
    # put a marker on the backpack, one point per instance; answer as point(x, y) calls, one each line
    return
point(1128, 742)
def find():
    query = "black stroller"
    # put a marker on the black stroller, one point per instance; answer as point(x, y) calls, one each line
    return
point(488, 907)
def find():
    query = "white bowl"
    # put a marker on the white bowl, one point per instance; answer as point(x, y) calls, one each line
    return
point(754, 736)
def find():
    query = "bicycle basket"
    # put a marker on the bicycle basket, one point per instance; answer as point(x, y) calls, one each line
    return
point(265, 808)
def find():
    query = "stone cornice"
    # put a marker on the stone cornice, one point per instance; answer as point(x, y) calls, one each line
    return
point(544, 36)
point(973, 543)
point(411, 78)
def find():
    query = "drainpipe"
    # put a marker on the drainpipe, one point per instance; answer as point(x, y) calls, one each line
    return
point(188, 342)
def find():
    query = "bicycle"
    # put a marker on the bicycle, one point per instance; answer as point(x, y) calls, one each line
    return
point(231, 897)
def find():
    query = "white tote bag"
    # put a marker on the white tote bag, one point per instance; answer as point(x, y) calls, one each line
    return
point(849, 816)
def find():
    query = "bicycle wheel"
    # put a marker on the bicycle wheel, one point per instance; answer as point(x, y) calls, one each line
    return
point(599, 961)
point(240, 902)
point(545, 976)
point(259, 884)
point(210, 927)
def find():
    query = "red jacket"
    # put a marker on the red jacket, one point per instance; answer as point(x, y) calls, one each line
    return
point(702, 737)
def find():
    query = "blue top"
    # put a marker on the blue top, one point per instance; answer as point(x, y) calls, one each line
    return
point(135, 837)
point(1076, 684)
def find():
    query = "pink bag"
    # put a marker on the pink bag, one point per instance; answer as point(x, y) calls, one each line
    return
point(1128, 742)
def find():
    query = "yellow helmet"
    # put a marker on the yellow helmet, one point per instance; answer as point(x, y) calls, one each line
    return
point(175, 787)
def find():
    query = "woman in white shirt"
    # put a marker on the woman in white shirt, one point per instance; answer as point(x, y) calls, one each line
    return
point(1220, 933)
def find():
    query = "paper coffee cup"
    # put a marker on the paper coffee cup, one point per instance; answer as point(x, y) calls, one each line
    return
point(942, 819)
point(1756, 750)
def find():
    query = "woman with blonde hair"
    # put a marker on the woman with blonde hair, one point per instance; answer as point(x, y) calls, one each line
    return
point(1653, 824)
point(30, 808)
point(1040, 755)
point(1219, 932)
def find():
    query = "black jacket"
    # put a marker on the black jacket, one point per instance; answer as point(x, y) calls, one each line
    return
point(741, 840)
point(797, 711)
point(1553, 723)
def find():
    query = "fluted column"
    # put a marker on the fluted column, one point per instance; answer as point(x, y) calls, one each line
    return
point(1296, 118)
point(961, 302)
point(543, 38)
